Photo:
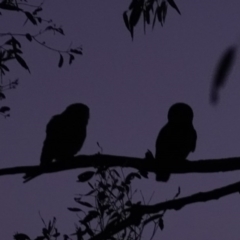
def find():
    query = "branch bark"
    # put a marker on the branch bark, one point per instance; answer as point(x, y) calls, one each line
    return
point(142, 164)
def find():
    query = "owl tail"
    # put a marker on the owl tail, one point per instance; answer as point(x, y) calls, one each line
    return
point(162, 176)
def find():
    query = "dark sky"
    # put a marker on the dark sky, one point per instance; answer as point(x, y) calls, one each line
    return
point(129, 87)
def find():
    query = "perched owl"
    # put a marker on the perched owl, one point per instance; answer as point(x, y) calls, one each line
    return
point(175, 140)
point(65, 135)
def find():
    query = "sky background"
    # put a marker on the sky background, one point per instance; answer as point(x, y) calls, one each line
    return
point(129, 87)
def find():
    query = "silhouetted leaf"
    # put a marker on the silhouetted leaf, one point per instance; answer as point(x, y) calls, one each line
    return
point(154, 18)
point(178, 193)
point(4, 67)
point(37, 10)
point(147, 15)
point(39, 19)
point(135, 16)
point(223, 69)
point(86, 204)
point(31, 18)
point(6, 6)
point(40, 238)
point(91, 186)
point(71, 58)
point(90, 216)
point(224, 66)
point(131, 176)
point(75, 209)
point(173, 5)
point(115, 171)
point(125, 19)
point(159, 15)
point(21, 236)
point(4, 109)
point(60, 63)
point(21, 62)
point(76, 51)
point(60, 30)
point(133, 4)
point(164, 10)
point(29, 37)
point(2, 96)
point(83, 177)
point(161, 223)
point(101, 196)
point(90, 193)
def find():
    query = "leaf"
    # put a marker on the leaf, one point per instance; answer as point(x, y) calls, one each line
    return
point(224, 67)
point(60, 30)
point(83, 177)
point(76, 51)
point(22, 62)
point(222, 71)
point(173, 5)
point(125, 19)
point(75, 209)
point(164, 10)
point(133, 4)
point(161, 223)
point(86, 204)
point(178, 192)
point(39, 19)
point(147, 15)
point(4, 109)
point(71, 58)
point(2, 96)
point(60, 63)
point(29, 37)
point(131, 176)
point(4, 67)
point(37, 10)
point(21, 236)
point(90, 193)
point(154, 18)
point(31, 18)
point(40, 238)
point(135, 16)
point(159, 15)
point(91, 215)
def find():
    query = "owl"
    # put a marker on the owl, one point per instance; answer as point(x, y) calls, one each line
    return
point(175, 140)
point(65, 135)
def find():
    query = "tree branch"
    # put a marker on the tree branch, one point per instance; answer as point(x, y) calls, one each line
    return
point(142, 164)
point(138, 211)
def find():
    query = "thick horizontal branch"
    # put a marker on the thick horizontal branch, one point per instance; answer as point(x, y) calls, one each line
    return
point(138, 211)
point(149, 165)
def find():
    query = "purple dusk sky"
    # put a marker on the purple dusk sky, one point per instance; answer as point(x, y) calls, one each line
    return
point(129, 86)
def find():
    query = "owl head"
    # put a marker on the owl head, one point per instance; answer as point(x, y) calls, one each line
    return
point(79, 111)
point(181, 113)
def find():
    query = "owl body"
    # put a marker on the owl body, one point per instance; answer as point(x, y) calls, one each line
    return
point(65, 134)
point(175, 140)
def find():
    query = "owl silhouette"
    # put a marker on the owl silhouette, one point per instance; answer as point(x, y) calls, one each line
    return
point(175, 140)
point(65, 135)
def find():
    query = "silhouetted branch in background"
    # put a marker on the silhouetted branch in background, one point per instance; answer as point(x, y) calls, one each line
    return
point(138, 211)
